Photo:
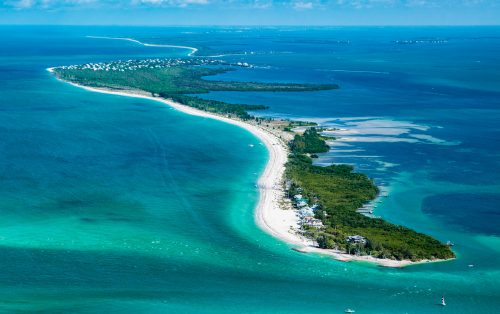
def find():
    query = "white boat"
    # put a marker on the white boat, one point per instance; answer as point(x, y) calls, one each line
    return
point(349, 311)
point(443, 303)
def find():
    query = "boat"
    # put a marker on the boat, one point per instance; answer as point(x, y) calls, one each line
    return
point(349, 311)
point(443, 303)
point(449, 243)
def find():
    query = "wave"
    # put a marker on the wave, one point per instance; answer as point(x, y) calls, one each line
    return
point(193, 49)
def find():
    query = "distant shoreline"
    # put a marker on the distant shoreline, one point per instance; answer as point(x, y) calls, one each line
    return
point(193, 49)
point(269, 214)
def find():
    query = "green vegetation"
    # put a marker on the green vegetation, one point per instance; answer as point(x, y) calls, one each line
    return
point(308, 143)
point(337, 190)
point(177, 82)
point(340, 192)
point(294, 124)
point(214, 105)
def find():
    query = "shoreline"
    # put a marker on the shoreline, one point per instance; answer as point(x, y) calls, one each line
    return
point(193, 49)
point(269, 214)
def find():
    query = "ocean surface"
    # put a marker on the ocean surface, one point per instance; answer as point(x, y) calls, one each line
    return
point(110, 204)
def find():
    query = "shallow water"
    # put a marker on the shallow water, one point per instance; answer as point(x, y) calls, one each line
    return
point(124, 205)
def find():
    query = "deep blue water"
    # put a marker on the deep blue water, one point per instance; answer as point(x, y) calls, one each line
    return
point(127, 206)
point(474, 212)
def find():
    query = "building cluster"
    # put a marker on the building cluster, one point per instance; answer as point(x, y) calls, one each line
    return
point(133, 65)
point(306, 212)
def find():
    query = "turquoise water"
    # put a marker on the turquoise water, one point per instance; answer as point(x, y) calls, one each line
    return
point(124, 205)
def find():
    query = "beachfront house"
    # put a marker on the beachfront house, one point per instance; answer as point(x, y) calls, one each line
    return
point(301, 204)
point(356, 239)
point(306, 212)
point(312, 222)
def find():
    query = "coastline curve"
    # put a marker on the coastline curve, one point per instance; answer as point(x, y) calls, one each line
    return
point(193, 49)
point(269, 214)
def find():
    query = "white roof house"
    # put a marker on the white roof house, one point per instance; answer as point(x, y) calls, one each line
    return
point(356, 239)
point(306, 212)
point(301, 204)
point(313, 222)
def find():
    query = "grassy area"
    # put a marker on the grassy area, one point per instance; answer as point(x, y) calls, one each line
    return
point(340, 192)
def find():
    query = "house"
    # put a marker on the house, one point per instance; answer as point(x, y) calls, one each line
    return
point(301, 204)
point(356, 239)
point(306, 212)
point(312, 222)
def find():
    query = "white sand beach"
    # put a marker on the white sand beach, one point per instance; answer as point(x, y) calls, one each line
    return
point(193, 49)
point(272, 214)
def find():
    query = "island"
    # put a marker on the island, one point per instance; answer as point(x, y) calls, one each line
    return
point(313, 208)
point(176, 79)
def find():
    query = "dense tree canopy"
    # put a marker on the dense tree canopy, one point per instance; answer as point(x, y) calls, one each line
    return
point(180, 82)
point(340, 192)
